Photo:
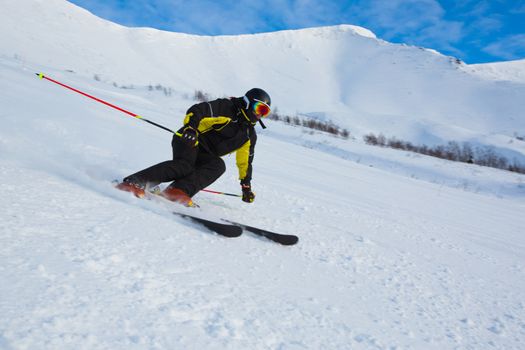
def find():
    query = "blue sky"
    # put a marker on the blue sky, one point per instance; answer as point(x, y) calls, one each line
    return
point(474, 31)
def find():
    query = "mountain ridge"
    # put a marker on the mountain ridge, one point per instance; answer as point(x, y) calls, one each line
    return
point(342, 73)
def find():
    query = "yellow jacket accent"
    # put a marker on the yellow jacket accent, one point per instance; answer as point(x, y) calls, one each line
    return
point(207, 123)
point(187, 118)
point(242, 157)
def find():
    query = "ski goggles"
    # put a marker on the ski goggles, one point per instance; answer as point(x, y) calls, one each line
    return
point(260, 109)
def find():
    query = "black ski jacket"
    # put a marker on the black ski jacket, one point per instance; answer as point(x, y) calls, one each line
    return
point(224, 128)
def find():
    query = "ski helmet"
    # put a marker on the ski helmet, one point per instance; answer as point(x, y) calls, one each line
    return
point(258, 104)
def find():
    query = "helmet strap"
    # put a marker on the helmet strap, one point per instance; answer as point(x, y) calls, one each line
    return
point(262, 124)
point(247, 101)
point(245, 115)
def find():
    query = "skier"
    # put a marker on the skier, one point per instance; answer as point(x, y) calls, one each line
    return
point(210, 131)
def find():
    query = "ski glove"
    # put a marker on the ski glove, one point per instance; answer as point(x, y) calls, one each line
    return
point(190, 136)
point(247, 195)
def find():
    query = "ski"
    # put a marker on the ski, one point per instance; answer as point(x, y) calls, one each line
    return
point(276, 237)
point(224, 229)
point(228, 228)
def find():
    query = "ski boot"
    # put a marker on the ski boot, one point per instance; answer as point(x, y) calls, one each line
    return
point(178, 196)
point(134, 188)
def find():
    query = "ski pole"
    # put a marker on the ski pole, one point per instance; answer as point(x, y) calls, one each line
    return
point(42, 76)
point(223, 193)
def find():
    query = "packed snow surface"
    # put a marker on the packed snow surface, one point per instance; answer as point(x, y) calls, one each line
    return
point(396, 250)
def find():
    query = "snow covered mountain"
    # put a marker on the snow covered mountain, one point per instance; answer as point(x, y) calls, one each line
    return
point(342, 73)
point(396, 250)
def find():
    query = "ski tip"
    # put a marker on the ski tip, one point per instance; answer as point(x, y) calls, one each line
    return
point(290, 240)
point(40, 75)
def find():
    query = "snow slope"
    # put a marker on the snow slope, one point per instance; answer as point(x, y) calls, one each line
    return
point(396, 251)
point(505, 71)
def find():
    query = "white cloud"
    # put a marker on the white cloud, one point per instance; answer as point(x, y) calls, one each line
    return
point(511, 47)
point(398, 17)
point(220, 17)
point(416, 22)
